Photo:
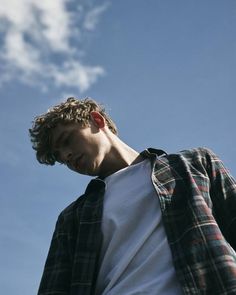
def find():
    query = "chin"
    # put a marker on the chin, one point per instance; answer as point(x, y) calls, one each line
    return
point(94, 170)
point(92, 173)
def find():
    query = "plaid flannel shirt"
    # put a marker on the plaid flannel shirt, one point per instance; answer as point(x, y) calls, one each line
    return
point(198, 203)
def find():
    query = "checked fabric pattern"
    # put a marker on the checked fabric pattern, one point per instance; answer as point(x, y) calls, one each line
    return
point(198, 202)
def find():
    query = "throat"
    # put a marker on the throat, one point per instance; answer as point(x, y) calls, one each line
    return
point(120, 163)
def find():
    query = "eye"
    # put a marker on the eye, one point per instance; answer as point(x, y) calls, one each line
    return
point(66, 141)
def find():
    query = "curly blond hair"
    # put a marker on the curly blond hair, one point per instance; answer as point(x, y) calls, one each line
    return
point(72, 110)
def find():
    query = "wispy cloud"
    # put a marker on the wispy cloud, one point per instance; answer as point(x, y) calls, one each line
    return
point(93, 15)
point(37, 40)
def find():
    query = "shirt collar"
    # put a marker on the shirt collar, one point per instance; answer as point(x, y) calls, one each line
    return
point(151, 152)
point(98, 183)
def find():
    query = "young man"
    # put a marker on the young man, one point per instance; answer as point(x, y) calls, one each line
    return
point(149, 223)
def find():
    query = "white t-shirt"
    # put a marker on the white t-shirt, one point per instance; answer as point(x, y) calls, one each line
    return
point(135, 255)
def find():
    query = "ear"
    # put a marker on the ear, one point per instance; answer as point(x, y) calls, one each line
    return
point(98, 119)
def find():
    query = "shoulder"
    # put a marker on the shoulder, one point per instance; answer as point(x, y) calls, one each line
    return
point(190, 158)
point(201, 155)
point(191, 155)
point(77, 204)
point(71, 213)
point(196, 152)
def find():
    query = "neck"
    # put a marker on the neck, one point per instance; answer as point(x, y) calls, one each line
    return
point(119, 156)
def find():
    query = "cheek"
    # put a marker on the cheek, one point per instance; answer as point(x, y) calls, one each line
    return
point(95, 154)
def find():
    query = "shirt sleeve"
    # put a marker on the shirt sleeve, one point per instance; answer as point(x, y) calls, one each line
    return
point(56, 275)
point(223, 195)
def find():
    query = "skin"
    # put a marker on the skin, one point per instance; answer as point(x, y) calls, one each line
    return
point(92, 150)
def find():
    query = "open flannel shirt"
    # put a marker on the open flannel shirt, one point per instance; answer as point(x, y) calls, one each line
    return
point(198, 203)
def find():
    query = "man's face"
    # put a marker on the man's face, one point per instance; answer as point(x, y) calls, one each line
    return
point(82, 149)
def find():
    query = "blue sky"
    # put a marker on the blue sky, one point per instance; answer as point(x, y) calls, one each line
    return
point(165, 70)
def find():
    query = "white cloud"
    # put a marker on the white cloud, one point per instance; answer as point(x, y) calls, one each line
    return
point(37, 42)
point(73, 73)
point(21, 54)
point(92, 17)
